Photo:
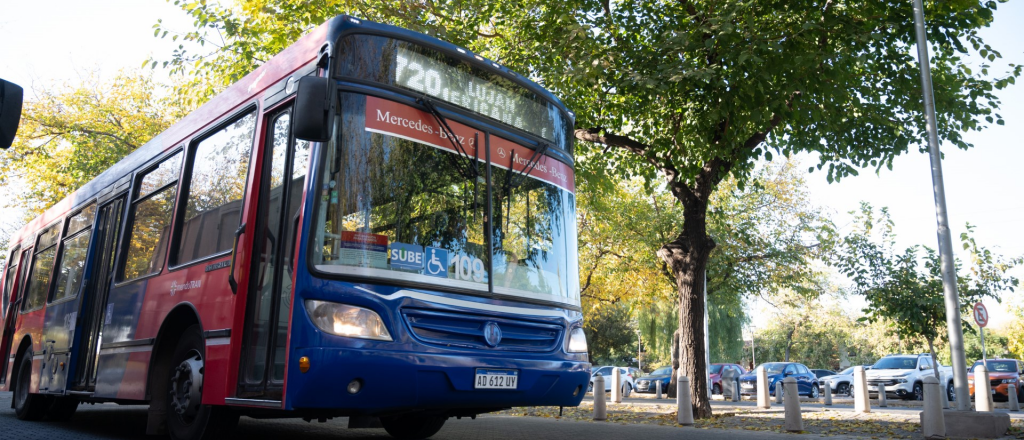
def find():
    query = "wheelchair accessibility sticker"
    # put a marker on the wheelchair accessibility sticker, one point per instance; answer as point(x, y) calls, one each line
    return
point(436, 264)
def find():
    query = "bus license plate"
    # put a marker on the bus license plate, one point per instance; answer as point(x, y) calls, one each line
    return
point(496, 379)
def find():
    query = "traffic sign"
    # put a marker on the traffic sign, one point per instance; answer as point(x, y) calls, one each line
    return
point(980, 315)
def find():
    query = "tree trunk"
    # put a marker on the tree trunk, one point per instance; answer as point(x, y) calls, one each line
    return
point(675, 365)
point(935, 362)
point(687, 258)
point(789, 341)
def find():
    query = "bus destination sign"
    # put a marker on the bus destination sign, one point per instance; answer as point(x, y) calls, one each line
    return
point(455, 85)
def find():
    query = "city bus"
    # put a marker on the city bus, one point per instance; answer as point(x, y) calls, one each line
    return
point(373, 224)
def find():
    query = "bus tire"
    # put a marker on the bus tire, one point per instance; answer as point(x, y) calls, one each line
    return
point(412, 426)
point(62, 409)
point(27, 406)
point(187, 417)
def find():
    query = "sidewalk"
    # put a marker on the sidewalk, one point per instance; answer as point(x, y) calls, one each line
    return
point(899, 420)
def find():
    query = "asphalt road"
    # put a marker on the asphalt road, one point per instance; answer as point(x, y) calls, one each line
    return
point(110, 421)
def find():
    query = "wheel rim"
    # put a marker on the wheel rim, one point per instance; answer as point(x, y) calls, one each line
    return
point(918, 393)
point(951, 392)
point(187, 386)
point(814, 391)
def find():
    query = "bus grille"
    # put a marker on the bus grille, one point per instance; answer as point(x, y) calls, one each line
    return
point(448, 329)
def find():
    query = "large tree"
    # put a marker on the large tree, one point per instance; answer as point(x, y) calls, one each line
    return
point(687, 92)
point(768, 234)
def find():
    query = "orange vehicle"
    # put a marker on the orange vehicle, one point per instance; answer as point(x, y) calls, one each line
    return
point(1002, 374)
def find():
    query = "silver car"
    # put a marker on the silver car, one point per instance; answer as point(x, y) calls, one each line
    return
point(629, 375)
point(841, 383)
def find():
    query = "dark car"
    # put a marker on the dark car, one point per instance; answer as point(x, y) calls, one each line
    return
point(806, 382)
point(822, 373)
point(648, 383)
point(716, 375)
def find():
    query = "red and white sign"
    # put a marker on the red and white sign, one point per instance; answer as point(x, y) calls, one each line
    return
point(394, 119)
point(980, 315)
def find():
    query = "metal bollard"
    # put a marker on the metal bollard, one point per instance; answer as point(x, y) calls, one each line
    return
point(684, 406)
point(657, 387)
point(763, 400)
point(881, 395)
point(779, 391)
point(933, 423)
point(860, 391)
point(616, 386)
point(1011, 392)
point(736, 389)
point(828, 393)
point(600, 406)
point(982, 389)
point(794, 420)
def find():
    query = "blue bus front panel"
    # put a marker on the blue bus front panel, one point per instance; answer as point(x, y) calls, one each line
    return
point(418, 370)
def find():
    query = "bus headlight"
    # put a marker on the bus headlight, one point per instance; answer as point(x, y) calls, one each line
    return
point(577, 341)
point(345, 320)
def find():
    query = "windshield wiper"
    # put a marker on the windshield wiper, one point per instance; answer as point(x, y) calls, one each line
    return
point(470, 170)
point(534, 159)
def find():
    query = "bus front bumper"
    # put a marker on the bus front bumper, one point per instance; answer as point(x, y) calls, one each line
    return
point(391, 382)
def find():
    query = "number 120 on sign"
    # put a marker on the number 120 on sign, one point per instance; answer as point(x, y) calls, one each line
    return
point(496, 379)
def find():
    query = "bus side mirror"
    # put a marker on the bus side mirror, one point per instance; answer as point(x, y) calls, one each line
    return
point(10, 111)
point(314, 109)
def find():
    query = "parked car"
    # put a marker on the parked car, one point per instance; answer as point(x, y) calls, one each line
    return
point(840, 383)
point(822, 373)
point(902, 374)
point(1002, 374)
point(648, 383)
point(628, 375)
point(807, 383)
point(716, 371)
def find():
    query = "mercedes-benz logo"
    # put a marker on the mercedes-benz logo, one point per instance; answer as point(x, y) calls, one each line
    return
point(492, 334)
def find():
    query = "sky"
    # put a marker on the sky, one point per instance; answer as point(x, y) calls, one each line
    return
point(983, 185)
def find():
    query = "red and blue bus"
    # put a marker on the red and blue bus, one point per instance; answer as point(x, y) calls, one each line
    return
point(373, 224)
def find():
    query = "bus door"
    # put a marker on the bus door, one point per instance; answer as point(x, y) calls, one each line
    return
point(12, 313)
point(268, 307)
point(94, 306)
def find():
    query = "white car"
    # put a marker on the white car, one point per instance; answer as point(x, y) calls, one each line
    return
point(841, 383)
point(629, 374)
point(902, 374)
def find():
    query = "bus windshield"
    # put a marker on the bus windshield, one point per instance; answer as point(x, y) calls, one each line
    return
point(398, 202)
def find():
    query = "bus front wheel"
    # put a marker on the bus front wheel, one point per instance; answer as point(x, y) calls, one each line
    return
point(408, 427)
point(27, 406)
point(187, 417)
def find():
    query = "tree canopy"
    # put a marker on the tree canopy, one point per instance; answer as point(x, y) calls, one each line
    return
point(904, 289)
point(71, 133)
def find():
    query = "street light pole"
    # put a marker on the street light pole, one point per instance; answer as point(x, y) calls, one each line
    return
point(753, 348)
point(956, 337)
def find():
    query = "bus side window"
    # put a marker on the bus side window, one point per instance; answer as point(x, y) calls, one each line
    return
point(42, 268)
point(71, 261)
point(214, 185)
point(151, 208)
